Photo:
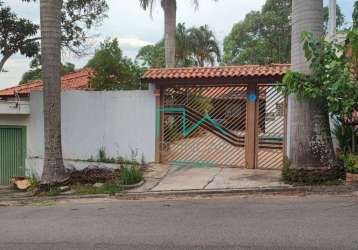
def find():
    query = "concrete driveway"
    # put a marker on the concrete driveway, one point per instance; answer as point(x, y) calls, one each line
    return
point(172, 178)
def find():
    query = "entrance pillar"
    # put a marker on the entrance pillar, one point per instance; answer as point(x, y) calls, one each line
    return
point(251, 126)
point(159, 117)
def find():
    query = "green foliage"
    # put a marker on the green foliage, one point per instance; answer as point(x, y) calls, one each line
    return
point(112, 70)
point(130, 175)
point(263, 37)
point(35, 72)
point(340, 18)
point(21, 35)
point(355, 15)
point(330, 176)
point(330, 80)
point(18, 35)
point(351, 163)
point(201, 103)
point(352, 42)
point(54, 191)
point(103, 158)
point(34, 182)
point(194, 47)
point(203, 46)
point(107, 188)
point(152, 56)
point(343, 134)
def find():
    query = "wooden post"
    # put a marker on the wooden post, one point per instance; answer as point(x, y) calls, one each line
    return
point(251, 126)
point(159, 117)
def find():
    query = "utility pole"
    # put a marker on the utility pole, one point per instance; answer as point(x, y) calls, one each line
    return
point(332, 21)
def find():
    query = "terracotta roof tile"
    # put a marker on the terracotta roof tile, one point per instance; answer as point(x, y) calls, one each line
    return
point(73, 81)
point(215, 72)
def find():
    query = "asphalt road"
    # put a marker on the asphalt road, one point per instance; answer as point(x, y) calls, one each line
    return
point(314, 222)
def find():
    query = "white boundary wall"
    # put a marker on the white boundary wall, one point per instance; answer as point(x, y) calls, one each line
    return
point(118, 121)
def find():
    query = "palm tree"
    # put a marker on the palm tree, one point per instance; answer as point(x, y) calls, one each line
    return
point(170, 8)
point(50, 13)
point(205, 47)
point(309, 137)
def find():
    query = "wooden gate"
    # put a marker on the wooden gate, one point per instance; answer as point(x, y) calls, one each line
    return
point(233, 126)
point(12, 153)
point(223, 116)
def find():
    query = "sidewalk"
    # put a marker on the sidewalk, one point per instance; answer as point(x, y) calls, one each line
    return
point(161, 178)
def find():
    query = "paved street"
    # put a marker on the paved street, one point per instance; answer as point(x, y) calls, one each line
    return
point(314, 222)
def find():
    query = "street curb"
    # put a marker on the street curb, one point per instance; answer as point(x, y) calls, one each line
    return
point(127, 195)
point(30, 200)
point(242, 191)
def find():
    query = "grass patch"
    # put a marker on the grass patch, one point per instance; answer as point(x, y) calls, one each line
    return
point(54, 191)
point(102, 157)
point(107, 188)
point(130, 175)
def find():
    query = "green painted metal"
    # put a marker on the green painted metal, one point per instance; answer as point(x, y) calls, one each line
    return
point(12, 152)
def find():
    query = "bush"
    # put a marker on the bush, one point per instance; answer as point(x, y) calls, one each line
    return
point(351, 163)
point(130, 175)
point(107, 188)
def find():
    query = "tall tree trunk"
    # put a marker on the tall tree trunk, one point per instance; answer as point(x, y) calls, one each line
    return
point(170, 10)
point(309, 139)
point(53, 169)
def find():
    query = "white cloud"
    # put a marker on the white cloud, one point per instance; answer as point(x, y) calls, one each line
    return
point(132, 43)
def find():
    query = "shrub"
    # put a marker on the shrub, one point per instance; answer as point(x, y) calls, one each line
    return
point(130, 175)
point(351, 163)
point(107, 188)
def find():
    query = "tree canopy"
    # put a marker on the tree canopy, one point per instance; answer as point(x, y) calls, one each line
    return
point(16, 35)
point(264, 37)
point(196, 46)
point(22, 35)
point(35, 72)
point(112, 70)
point(331, 80)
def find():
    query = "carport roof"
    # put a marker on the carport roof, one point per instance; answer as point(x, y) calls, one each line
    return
point(240, 74)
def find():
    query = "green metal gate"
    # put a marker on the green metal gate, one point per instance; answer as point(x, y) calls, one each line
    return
point(12, 152)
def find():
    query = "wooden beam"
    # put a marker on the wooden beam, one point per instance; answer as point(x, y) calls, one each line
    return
point(159, 101)
point(251, 128)
point(215, 81)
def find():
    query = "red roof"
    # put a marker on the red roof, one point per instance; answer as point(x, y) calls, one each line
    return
point(73, 81)
point(216, 72)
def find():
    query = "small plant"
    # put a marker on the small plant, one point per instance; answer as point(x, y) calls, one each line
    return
point(54, 191)
point(130, 175)
point(103, 158)
point(351, 163)
point(107, 188)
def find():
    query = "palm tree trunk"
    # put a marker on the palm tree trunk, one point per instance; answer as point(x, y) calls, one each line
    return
point(170, 9)
point(309, 138)
point(53, 169)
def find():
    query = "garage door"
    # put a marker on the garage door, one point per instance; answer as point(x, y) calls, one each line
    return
point(12, 152)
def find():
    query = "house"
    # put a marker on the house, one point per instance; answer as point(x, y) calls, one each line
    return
point(117, 121)
point(224, 116)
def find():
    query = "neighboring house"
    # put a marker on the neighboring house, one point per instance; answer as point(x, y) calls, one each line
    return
point(73, 81)
point(91, 120)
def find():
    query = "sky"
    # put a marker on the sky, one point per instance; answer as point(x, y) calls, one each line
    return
point(134, 27)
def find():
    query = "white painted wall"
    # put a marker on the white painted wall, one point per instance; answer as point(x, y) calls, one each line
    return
point(119, 121)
